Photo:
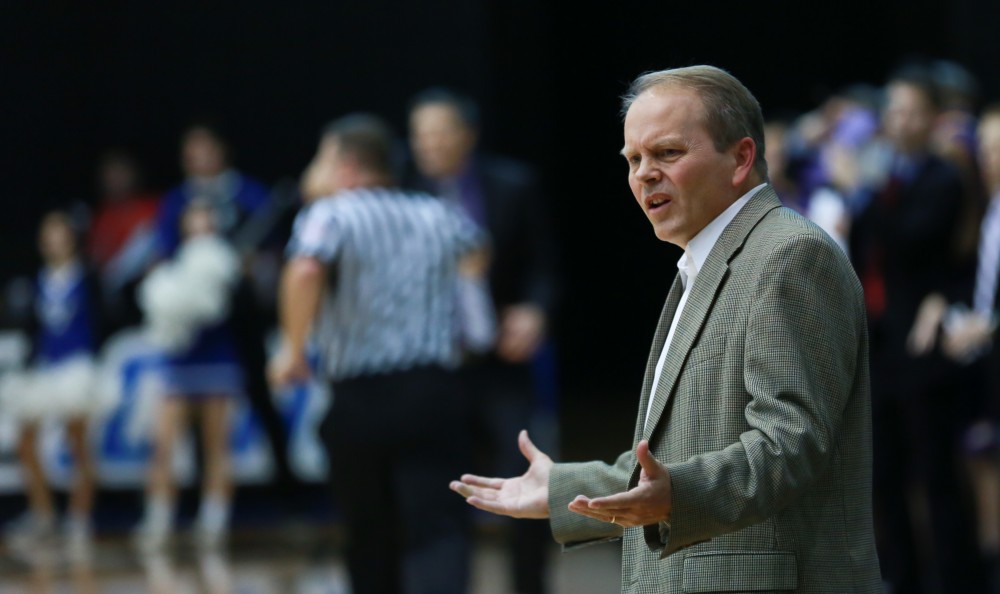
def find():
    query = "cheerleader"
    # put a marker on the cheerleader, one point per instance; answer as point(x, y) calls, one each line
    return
point(186, 306)
point(59, 387)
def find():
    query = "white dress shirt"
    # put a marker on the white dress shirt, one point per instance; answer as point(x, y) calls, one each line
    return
point(688, 266)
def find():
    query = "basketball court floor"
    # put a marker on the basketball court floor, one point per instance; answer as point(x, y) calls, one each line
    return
point(292, 559)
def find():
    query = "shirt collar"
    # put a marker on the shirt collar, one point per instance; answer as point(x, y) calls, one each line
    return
point(700, 246)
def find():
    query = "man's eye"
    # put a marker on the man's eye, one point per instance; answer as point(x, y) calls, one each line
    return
point(669, 153)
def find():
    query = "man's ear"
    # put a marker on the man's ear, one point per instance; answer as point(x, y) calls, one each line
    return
point(350, 172)
point(745, 155)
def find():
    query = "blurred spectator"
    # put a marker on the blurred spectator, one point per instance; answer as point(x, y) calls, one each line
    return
point(846, 120)
point(970, 337)
point(955, 129)
point(383, 266)
point(209, 176)
point(779, 169)
point(823, 154)
point(245, 215)
point(123, 207)
point(824, 205)
point(67, 331)
point(186, 301)
point(954, 139)
point(121, 240)
point(902, 243)
point(503, 196)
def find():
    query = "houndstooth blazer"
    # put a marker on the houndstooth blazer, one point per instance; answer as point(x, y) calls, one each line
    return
point(762, 416)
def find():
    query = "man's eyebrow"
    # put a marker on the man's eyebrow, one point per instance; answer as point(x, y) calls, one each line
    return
point(666, 140)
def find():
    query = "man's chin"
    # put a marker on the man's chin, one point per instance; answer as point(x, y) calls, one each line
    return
point(667, 234)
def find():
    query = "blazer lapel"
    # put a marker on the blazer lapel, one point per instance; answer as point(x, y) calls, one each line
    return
point(700, 302)
point(659, 337)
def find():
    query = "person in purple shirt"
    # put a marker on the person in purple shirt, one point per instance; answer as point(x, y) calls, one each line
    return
point(504, 196)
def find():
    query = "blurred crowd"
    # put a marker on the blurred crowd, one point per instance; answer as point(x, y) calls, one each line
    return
point(190, 269)
point(197, 268)
point(904, 175)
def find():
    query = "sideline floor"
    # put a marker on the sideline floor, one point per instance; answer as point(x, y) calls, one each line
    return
point(292, 560)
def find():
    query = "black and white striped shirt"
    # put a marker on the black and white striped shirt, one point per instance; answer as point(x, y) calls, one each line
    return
point(392, 257)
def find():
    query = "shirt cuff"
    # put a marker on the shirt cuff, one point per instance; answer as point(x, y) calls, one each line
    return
point(665, 532)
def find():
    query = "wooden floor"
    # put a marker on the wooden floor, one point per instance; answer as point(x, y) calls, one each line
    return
point(285, 556)
point(292, 560)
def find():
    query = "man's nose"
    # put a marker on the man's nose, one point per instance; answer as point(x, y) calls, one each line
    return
point(647, 172)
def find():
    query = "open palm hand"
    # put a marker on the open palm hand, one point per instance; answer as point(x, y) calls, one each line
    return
point(525, 496)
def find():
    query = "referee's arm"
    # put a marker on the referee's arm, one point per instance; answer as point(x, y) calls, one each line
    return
point(298, 301)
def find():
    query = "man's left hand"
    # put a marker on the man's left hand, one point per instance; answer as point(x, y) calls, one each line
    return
point(522, 328)
point(649, 502)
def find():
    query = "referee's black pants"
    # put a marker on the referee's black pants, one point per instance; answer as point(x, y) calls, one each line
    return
point(394, 443)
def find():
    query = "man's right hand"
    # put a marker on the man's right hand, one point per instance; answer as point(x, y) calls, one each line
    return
point(287, 367)
point(526, 496)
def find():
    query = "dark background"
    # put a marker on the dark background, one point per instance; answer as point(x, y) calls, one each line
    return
point(78, 78)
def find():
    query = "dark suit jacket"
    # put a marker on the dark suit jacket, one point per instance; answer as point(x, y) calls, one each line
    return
point(522, 268)
point(910, 237)
point(762, 416)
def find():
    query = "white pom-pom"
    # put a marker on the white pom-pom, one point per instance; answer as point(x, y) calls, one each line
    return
point(63, 390)
point(68, 387)
point(183, 296)
point(209, 259)
point(18, 396)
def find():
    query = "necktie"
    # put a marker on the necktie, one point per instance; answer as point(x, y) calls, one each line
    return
point(872, 279)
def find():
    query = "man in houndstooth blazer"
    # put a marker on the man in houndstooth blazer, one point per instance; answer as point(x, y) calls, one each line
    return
point(750, 469)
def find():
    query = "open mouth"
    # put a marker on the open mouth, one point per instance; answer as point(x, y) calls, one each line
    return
point(656, 202)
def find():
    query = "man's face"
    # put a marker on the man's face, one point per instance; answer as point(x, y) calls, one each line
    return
point(202, 155)
point(440, 140)
point(908, 117)
point(198, 221)
point(989, 152)
point(678, 177)
point(55, 239)
point(117, 178)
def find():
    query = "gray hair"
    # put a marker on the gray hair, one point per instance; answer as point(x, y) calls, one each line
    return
point(731, 111)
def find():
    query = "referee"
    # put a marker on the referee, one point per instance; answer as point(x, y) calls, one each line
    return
point(376, 275)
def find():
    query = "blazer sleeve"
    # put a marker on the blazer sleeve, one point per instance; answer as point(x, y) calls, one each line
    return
point(805, 341)
point(593, 479)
